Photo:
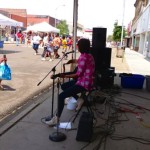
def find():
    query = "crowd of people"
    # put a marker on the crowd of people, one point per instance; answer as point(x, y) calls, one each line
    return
point(49, 42)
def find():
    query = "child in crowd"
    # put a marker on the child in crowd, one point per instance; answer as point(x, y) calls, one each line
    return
point(49, 51)
point(64, 45)
point(70, 42)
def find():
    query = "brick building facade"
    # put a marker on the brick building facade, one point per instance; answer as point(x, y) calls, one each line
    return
point(16, 14)
point(34, 19)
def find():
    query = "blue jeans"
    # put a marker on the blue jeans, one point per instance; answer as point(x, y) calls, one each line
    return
point(69, 89)
point(17, 41)
point(35, 47)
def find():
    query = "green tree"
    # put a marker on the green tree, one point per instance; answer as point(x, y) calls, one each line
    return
point(62, 25)
point(109, 38)
point(117, 32)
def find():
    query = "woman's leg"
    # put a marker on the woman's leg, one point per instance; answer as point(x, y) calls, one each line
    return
point(68, 84)
point(72, 91)
point(17, 41)
point(1, 87)
point(56, 53)
point(0, 82)
point(44, 51)
point(37, 47)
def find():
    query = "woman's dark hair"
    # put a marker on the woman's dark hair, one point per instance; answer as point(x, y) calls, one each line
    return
point(57, 35)
point(84, 45)
point(63, 37)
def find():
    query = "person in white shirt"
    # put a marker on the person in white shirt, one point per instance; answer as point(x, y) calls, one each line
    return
point(45, 42)
point(36, 42)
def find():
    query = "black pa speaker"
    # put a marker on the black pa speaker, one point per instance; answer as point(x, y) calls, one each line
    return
point(85, 127)
point(106, 78)
point(102, 57)
point(99, 37)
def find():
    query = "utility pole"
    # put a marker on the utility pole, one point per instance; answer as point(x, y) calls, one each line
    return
point(122, 23)
point(75, 20)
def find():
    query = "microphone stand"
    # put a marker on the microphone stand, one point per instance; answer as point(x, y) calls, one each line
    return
point(57, 136)
point(52, 70)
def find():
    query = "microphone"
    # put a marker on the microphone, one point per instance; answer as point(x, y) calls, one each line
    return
point(69, 52)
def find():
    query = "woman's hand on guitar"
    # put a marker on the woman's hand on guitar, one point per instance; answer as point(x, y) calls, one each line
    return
point(62, 75)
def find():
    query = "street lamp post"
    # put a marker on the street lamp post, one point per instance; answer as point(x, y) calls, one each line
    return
point(56, 13)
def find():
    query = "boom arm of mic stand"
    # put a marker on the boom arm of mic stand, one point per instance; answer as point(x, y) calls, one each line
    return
point(53, 69)
point(45, 76)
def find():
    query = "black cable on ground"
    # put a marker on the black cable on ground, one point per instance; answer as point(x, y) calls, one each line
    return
point(139, 107)
point(136, 95)
point(137, 139)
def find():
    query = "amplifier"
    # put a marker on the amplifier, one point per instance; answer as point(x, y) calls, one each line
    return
point(85, 127)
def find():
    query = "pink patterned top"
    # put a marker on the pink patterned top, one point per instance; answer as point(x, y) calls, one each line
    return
point(85, 72)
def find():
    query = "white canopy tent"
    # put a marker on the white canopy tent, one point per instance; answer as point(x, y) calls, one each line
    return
point(9, 22)
point(42, 27)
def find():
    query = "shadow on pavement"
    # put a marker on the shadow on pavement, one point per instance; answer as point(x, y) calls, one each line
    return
point(8, 88)
point(8, 51)
point(148, 59)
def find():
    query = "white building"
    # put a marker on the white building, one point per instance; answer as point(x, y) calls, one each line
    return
point(141, 27)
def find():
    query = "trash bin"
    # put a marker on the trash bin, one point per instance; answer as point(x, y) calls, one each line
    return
point(147, 83)
point(132, 80)
point(120, 52)
point(1, 44)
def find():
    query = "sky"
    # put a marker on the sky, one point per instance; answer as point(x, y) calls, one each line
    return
point(91, 13)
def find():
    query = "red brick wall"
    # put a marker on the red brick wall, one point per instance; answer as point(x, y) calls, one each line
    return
point(20, 19)
point(34, 19)
point(18, 12)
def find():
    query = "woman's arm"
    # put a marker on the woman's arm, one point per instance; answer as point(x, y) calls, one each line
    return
point(4, 59)
point(70, 76)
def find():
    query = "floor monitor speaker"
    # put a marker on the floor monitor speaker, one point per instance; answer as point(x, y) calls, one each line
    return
point(85, 127)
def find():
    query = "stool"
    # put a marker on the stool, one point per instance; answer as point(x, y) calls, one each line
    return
point(84, 95)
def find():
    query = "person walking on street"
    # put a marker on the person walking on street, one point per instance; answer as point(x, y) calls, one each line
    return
point(18, 37)
point(45, 43)
point(56, 45)
point(70, 42)
point(36, 42)
point(64, 45)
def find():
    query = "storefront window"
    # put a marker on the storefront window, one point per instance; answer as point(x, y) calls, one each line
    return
point(148, 41)
point(148, 44)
